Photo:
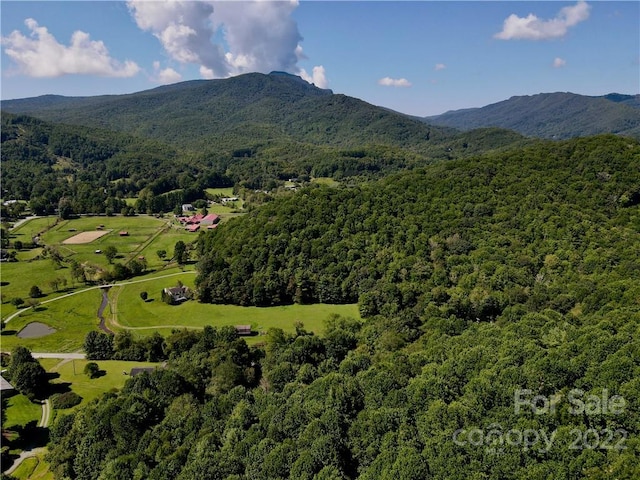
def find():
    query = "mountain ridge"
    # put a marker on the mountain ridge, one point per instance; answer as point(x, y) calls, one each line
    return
point(557, 115)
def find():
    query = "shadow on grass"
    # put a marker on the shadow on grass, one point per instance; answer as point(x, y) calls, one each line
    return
point(62, 387)
point(29, 436)
point(8, 332)
point(4, 284)
point(39, 309)
point(149, 300)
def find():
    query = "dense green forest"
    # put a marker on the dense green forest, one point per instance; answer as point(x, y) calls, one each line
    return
point(88, 170)
point(487, 286)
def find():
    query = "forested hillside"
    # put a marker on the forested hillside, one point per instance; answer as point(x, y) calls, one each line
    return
point(95, 168)
point(250, 112)
point(92, 170)
point(552, 115)
point(479, 280)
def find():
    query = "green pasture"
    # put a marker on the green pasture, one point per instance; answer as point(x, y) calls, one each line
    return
point(26, 231)
point(328, 181)
point(72, 316)
point(223, 192)
point(72, 374)
point(146, 317)
point(20, 411)
point(146, 235)
point(33, 468)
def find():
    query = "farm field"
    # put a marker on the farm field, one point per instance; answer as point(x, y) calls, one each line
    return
point(146, 235)
point(154, 315)
point(75, 315)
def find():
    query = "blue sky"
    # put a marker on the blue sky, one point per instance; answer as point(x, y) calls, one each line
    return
point(417, 57)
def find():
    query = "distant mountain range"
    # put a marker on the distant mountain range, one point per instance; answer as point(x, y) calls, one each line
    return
point(552, 115)
point(239, 112)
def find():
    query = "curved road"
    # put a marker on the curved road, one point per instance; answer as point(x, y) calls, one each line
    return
point(15, 314)
point(32, 452)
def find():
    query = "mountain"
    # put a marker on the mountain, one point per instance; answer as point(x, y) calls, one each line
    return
point(249, 111)
point(552, 115)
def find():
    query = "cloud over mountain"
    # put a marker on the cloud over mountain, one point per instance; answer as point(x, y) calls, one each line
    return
point(227, 38)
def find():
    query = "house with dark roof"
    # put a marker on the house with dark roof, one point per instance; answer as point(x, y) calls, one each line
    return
point(175, 294)
point(5, 386)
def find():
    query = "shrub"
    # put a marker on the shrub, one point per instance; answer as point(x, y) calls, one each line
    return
point(65, 400)
point(92, 369)
point(35, 292)
point(16, 302)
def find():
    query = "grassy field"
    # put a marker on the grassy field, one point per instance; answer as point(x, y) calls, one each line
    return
point(90, 388)
point(20, 411)
point(76, 315)
point(147, 235)
point(73, 317)
point(33, 468)
point(147, 317)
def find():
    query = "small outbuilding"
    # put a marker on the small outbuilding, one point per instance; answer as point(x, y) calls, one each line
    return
point(243, 330)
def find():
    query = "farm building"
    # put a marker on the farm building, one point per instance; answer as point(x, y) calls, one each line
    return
point(124, 233)
point(243, 329)
point(210, 219)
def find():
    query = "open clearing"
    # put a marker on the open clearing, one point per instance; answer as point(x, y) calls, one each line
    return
point(85, 237)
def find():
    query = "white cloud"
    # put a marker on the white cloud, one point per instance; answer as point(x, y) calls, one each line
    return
point(165, 76)
point(40, 55)
point(559, 62)
point(439, 66)
point(394, 82)
point(225, 38)
point(318, 77)
point(533, 28)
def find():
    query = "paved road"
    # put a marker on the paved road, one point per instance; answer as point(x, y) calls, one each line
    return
point(46, 414)
point(43, 423)
point(23, 456)
point(62, 356)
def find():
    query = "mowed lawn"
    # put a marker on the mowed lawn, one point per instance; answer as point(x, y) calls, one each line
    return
point(146, 317)
point(20, 411)
point(72, 317)
point(113, 377)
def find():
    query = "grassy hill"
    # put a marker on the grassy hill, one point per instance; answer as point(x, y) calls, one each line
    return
point(552, 115)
